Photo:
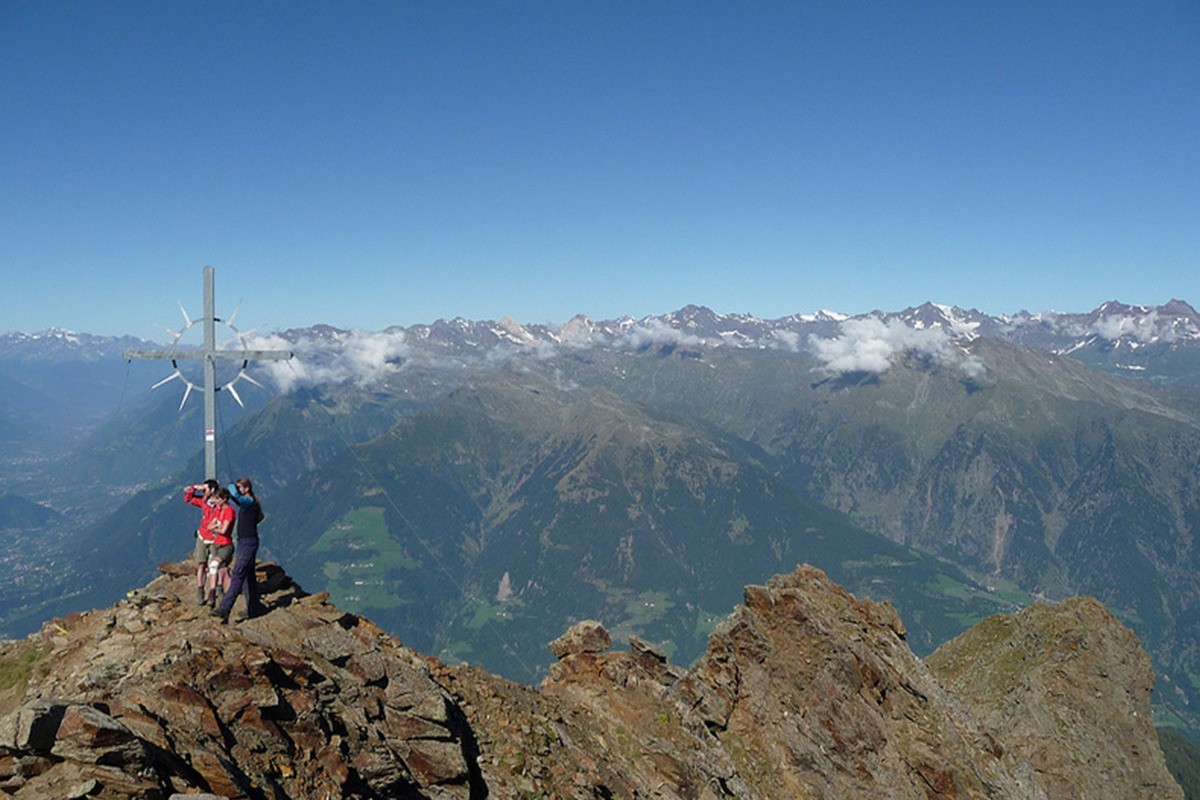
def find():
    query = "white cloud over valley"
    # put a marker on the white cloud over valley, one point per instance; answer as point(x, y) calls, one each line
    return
point(361, 358)
point(871, 345)
point(656, 332)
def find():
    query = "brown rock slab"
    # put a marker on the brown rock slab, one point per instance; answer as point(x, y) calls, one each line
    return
point(588, 636)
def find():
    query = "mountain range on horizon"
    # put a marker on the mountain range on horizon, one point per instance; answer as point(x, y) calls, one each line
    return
point(1174, 320)
point(1158, 343)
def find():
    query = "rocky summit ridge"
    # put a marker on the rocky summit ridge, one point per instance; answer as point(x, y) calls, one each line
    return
point(804, 691)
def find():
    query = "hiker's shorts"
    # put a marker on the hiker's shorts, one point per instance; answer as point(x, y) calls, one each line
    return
point(200, 551)
point(204, 552)
point(222, 553)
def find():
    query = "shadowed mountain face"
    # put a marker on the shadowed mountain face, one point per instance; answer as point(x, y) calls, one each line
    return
point(805, 691)
point(523, 503)
point(1039, 470)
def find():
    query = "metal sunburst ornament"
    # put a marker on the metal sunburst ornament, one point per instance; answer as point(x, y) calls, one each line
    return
point(208, 355)
point(177, 373)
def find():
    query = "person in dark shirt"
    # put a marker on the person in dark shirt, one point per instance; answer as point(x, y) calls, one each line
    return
point(243, 580)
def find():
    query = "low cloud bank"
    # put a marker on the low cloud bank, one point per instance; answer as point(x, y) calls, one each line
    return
point(1144, 328)
point(361, 358)
point(872, 345)
point(365, 358)
point(656, 332)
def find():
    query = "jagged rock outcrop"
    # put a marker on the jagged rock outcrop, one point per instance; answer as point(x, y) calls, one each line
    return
point(588, 636)
point(154, 697)
point(805, 692)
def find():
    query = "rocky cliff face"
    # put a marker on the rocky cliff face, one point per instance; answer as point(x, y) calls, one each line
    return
point(805, 692)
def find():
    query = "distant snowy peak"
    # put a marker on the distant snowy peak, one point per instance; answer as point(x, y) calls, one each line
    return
point(513, 331)
point(709, 326)
point(57, 334)
point(1118, 323)
point(1111, 324)
point(59, 344)
point(581, 330)
point(60, 337)
point(824, 315)
point(957, 322)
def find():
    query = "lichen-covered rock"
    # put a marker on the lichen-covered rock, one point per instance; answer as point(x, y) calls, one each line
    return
point(822, 696)
point(1067, 687)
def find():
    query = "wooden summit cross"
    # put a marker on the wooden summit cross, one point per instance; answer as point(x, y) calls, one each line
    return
point(210, 355)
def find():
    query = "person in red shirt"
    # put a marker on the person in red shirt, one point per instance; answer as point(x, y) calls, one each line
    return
point(202, 496)
point(220, 551)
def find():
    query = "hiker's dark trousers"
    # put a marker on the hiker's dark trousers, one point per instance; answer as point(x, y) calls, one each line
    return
point(242, 579)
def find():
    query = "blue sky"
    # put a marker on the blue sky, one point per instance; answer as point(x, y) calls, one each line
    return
point(372, 164)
